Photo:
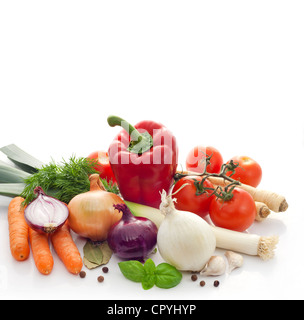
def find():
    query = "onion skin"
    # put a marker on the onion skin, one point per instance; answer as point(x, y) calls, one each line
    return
point(132, 238)
point(92, 213)
point(189, 244)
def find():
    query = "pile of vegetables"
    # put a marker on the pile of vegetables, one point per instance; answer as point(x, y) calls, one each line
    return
point(132, 200)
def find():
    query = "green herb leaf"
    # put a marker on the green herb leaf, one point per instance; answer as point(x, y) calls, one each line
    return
point(96, 254)
point(149, 267)
point(93, 253)
point(89, 264)
point(132, 270)
point(148, 281)
point(62, 180)
point(106, 252)
point(110, 186)
point(164, 276)
point(167, 276)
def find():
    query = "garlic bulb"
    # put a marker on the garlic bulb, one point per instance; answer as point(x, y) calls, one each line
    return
point(184, 239)
point(235, 260)
point(216, 266)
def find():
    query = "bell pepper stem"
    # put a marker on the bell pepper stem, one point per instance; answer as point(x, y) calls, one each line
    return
point(140, 142)
point(114, 121)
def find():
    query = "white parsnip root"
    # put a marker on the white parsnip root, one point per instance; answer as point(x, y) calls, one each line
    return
point(272, 200)
point(262, 211)
point(250, 244)
point(275, 202)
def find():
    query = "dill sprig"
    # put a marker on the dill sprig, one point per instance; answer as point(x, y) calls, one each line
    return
point(110, 186)
point(62, 181)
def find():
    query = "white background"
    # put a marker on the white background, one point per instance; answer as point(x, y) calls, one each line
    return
point(224, 73)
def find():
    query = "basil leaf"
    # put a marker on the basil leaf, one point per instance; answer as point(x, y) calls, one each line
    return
point(132, 270)
point(148, 281)
point(163, 276)
point(167, 276)
point(149, 267)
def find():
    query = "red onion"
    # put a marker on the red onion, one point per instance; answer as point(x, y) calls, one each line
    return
point(132, 238)
point(46, 214)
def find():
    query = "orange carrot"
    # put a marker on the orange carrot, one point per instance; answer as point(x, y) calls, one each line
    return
point(41, 252)
point(66, 249)
point(18, 230)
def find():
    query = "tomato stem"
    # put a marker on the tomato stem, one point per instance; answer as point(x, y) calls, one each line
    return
point(225, 194)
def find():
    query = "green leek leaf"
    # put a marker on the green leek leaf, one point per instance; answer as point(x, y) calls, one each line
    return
point(11, 190)
point(10, 174)
point(23, 160)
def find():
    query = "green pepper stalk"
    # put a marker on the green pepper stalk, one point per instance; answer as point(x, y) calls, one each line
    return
point(140, 142)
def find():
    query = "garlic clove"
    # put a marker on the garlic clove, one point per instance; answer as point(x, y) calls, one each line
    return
point(235, 260)
point(216, 266)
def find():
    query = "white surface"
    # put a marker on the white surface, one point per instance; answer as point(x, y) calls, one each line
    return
point(221, 73)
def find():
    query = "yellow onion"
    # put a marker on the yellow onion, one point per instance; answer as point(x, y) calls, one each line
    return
point(92, 214)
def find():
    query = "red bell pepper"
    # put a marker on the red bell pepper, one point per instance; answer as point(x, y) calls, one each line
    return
point(144, 160)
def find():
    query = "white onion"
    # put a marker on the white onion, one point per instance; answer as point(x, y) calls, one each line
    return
point(185, 240)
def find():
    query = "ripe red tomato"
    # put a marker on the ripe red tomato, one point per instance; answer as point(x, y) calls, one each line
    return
point(249, 172)
point(103, 166)
point(196, 160)
point(187, 200)
point(237, 214)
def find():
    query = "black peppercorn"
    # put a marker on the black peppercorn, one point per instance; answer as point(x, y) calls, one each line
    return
point(194, 277)
point(216, 283)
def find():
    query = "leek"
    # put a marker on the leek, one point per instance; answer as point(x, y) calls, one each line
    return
point(10, 174)
point(62, 181)
point(140, 210)
point(12, 180)
point(250, 244)
point(20, 158)
point(11, 190)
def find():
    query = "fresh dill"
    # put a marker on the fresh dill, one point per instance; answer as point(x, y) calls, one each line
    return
point(62, 181)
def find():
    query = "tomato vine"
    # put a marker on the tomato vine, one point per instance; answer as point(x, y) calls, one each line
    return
point(223, 193)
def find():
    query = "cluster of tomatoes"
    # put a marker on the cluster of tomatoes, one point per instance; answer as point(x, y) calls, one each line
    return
point(237, 213)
